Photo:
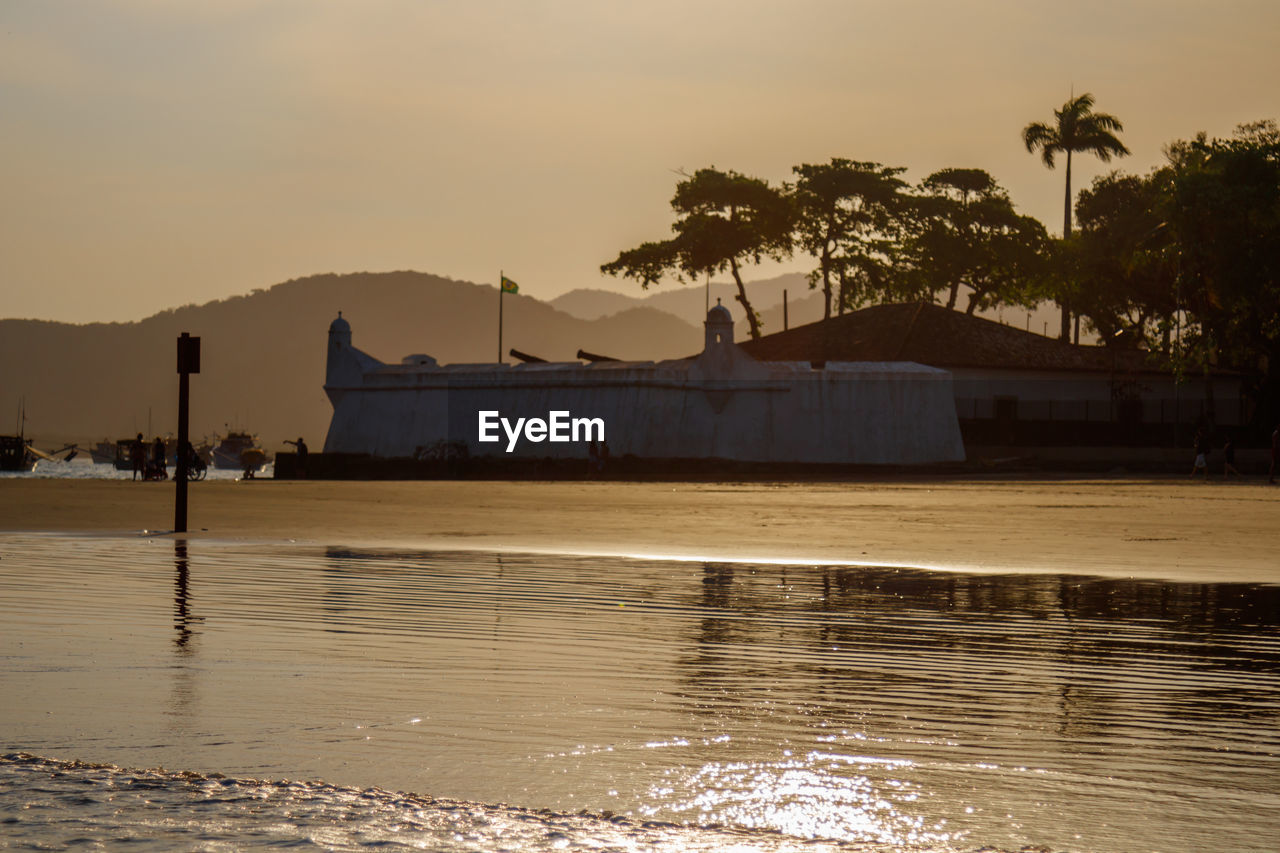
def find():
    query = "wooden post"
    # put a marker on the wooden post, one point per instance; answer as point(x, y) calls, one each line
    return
point(188, 363)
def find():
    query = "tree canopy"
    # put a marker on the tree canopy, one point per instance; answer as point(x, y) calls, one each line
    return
point(848, 217)
point(1186, 260)
point(1121, 263)
point(966, 233)
point(723, 220)
point(1224, 213)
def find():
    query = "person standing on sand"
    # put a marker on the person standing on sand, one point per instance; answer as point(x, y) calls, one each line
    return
point(1202, 453)
point(157, 459)
point(1229, 459)
point(138, 455)
point(300, 458)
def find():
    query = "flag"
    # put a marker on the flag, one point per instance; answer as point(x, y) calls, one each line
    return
point(509, 286)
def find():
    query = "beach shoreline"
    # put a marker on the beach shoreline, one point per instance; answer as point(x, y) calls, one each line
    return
point(1152, 527)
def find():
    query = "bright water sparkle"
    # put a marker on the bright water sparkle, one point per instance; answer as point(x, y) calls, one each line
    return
point(83, 468)
point(677, 705)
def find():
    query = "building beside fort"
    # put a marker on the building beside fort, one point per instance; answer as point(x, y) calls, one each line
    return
point(1016, 388)
point(721, 404)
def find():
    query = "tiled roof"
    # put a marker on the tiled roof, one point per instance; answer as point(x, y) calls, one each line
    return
point(940, 337)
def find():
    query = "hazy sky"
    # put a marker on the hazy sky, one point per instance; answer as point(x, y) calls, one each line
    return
point(158, 153)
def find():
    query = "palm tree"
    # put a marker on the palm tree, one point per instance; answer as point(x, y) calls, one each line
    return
point(1076, 127)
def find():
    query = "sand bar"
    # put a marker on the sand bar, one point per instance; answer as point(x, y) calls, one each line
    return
point(1151, 528)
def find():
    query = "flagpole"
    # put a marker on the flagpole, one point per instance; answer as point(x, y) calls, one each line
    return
point(500, 289)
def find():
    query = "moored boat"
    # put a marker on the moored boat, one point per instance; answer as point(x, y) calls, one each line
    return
point(104, 452)
point(15, 453)
point(18, 454)
point(117, 453)
point(239, 451)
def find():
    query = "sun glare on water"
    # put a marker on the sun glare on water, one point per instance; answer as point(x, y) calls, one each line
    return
point(820, 795)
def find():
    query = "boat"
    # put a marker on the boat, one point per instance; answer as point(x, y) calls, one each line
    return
point(15, 453)
point(117, 453)
point(239, 451)
point(15, 450)
point(104, 452)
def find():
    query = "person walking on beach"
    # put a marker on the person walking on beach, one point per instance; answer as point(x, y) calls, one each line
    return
point(138, 455)
point(1229, 458)
point(1202, 453)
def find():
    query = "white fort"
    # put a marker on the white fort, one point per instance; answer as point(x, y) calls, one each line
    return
point(719, 404)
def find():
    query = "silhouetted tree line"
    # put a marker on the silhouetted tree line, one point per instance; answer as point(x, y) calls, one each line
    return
point(874, 237)
point(1185, 261)
point(1182, 261)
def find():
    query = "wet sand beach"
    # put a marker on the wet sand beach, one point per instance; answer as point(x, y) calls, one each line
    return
point(1167, 528)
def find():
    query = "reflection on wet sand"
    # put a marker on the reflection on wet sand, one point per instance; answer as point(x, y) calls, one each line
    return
point(182, 698)
point(908, 626)
point(182, 619)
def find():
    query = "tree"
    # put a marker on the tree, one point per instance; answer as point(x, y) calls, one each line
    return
point(966, 233)
point(1192, 246)
point(724, 219)
point(1224, 214)
point(1076, 127)
point(846, 215)
point(1123, 259)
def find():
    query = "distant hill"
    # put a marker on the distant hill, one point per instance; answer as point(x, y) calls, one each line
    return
point(689, 302)
point(263, 354)
point(804, 305)
point(592, 304)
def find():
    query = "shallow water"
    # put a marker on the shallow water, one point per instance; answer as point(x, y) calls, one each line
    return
point(84, 468)
point(879, 709)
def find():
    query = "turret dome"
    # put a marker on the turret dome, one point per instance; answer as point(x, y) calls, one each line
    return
point(719, 327)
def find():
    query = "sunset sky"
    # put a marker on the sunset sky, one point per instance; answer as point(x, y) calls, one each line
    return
point(157, 153)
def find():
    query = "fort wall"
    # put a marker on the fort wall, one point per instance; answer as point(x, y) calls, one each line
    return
point(720, 404)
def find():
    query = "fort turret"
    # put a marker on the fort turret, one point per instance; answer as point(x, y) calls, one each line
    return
point(719, 326)
point(345, 366)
